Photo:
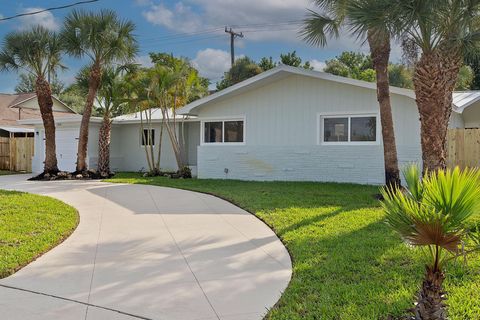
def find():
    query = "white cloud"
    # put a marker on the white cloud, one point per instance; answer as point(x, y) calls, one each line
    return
point(317, 65)
point(212, 63)
point(144, 61)
point(45, 19)
point(265, 20)
point(195, 15)
point(180, 18)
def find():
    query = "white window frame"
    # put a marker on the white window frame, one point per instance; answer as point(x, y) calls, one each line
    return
point(222, 120)
point(141, 138)
point(349, 115)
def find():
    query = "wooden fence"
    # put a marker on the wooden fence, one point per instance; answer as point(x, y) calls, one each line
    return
point(16, 154)
point(463, 148)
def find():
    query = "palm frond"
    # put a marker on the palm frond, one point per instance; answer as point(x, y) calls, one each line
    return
point(318, 28)
point(433, 211)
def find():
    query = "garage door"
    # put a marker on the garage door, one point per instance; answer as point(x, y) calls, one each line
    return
point(67, 143)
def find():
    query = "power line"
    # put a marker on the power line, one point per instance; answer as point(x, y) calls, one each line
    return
point(48, 9)
point(180, 41)
point(219, 29)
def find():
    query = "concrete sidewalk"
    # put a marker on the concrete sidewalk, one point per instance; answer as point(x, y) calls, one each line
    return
point(147, 252)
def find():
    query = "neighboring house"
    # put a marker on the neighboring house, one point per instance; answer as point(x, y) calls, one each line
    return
point(466, 110)
point(14, 107)
point(284, 124)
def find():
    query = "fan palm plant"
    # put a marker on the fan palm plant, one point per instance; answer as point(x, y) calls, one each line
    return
point(432, 213)
point(445, 32)
point(38, 52)
point(368, 19)
point(104, 39)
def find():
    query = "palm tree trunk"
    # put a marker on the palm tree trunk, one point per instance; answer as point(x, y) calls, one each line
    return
point(160, 139)
point(380, 51)
point(174, 141)
point(145, 138)
point(93, 85)
point(45, 102)
point(430, 298)
point(434, 80)
point(104, 146)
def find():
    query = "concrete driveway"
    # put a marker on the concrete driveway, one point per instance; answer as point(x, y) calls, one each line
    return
point(146, 252)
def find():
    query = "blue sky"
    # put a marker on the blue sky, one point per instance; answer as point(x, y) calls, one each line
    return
point(190, 28)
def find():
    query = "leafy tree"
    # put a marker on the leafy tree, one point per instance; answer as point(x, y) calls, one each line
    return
point(74, 97)
point(465, 78)
point(400, 76)
point(349, 64)
point(446, 34)
point(26, 84)
point(433, 213)
point(198, 88)
point(359, 66)
point(104, 39)
point(267, 63)
point(244, 68)
point(37, 51)
point(474, 64)
point(291, 59)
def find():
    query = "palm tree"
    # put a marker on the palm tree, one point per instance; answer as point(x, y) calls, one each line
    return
point(104, 39)
point(370, 19)
point(138, 92)
point(111, 99)
point(38, 52)
point(445, 32)
point(174, 84)
point(432, 214)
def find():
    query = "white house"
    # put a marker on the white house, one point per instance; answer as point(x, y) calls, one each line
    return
point(284, 124)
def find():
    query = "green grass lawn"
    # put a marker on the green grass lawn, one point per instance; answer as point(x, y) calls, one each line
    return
point(347, 263)
point(29, 226)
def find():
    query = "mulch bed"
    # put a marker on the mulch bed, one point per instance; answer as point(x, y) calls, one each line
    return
point(63, 175)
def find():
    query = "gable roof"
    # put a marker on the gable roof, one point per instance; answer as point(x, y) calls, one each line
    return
point(11, 110)
point(464, 99)
point(12, 100)
point(278, 73)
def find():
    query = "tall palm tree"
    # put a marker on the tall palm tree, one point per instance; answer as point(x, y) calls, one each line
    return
point(445, 32)
point(366, 19)
point(111, 99)
point(104, 39)
point(38, 52)
point(433, 213)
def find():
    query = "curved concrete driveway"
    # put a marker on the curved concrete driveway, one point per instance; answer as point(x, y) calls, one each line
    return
point(146, 252)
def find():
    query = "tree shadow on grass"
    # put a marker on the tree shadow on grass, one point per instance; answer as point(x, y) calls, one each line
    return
point(363, 274)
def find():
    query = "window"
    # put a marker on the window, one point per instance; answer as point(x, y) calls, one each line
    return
point(213, 132)
point(148, 137)
point(363, 129)
point(349, 129)
point(335, 129)
point(231, 131)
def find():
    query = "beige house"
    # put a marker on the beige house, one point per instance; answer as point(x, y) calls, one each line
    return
point(16, 139)
point(14, 107)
